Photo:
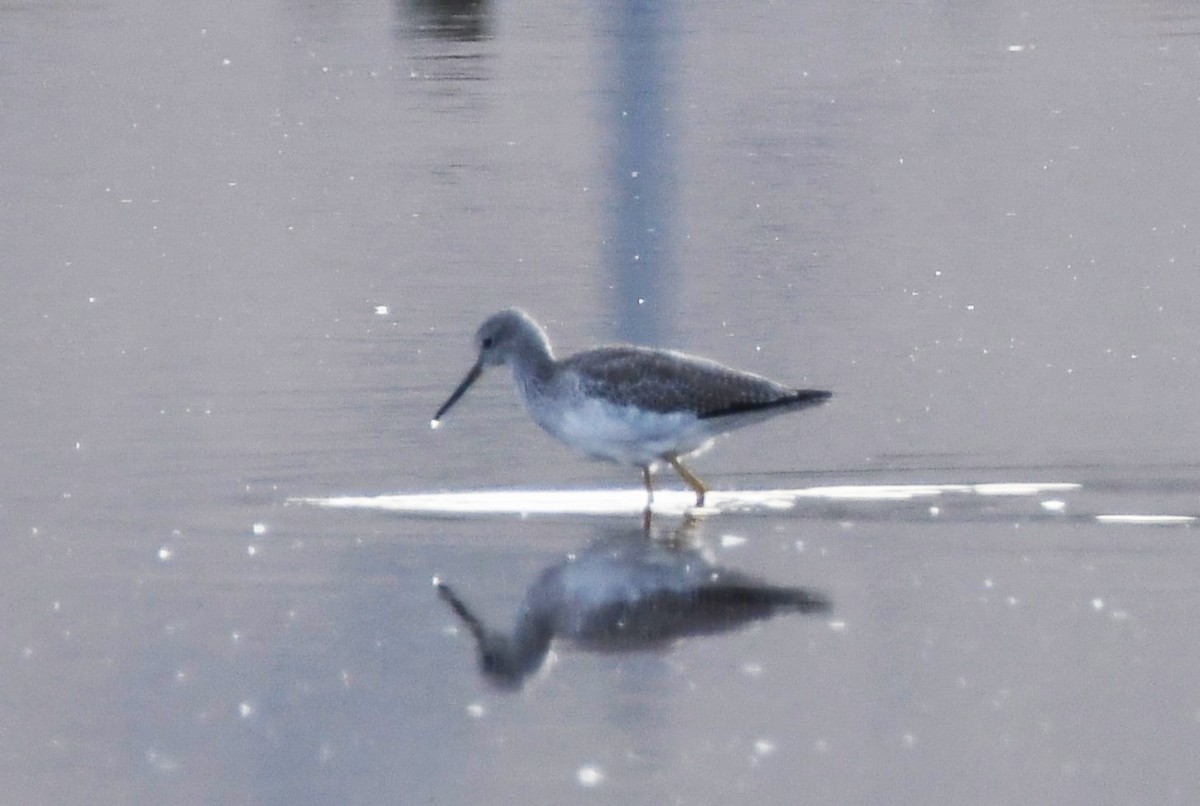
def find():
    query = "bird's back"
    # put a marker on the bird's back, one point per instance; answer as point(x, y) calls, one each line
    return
point(665, 381)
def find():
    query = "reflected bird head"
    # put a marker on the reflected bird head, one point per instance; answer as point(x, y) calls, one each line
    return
point(505, 661)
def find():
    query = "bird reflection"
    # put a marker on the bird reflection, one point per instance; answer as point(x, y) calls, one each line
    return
point(625, 594)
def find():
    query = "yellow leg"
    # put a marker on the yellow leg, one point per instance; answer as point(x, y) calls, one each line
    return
point(688, 478)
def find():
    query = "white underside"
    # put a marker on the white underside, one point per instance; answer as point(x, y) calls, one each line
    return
point(624, 434)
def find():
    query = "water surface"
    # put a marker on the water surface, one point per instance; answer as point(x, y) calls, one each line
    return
point(246, 246)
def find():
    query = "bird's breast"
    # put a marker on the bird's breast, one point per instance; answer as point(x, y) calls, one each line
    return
point(624, 434)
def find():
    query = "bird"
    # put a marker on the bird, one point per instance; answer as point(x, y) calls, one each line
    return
point(632, 405)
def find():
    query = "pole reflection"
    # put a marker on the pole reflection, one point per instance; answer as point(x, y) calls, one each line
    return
point(458, 20)
point(641, 167)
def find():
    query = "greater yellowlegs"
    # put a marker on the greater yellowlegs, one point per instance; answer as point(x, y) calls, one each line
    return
point(632, 405)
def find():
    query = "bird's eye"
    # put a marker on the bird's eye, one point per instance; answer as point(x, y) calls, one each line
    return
point(487, 342)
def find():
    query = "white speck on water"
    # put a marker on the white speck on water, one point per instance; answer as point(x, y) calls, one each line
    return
point(161, 762)
point(732, 541)
point(246, 709)
point(435, 424)
point(259, 528)
point(1015, 48)
point(235, 637)
point(589, 775)
point(908, 740)
point(752, 669)
point(764, 747)
point(381, 310)
point(252, 550)
point(837, 626)
point(989, 584)
point(476, 710)
point(935, 511)
point(165, 554)
point(1054, 505)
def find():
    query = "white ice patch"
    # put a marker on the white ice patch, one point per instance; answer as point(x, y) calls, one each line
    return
point(1148, 520)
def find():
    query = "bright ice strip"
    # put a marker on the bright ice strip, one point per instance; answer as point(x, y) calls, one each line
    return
point(517, 502)
point(905, 492)
point(1150, 520)
point(1025, 487)
point(616, 502)
point(879, 492)
point(559, 502)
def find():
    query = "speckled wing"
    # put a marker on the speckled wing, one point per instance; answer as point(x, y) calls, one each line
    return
point(667, 381)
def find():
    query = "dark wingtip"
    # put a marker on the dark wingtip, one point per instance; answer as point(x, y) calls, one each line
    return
point(808, 396)
point(799, 398)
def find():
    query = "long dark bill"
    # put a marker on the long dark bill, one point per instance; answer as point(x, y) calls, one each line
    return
point(472, 376)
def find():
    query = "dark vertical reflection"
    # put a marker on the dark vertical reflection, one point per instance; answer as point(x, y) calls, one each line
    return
point(461, 20)
point(641, 167)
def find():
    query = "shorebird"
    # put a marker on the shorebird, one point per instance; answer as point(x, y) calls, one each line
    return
point(631, 405)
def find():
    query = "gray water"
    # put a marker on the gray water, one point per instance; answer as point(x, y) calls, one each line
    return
point(245, 246)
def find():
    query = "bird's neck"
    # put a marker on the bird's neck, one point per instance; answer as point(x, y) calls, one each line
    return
point(536, 364)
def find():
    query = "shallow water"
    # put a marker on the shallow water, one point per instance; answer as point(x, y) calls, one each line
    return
point(245, 249)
